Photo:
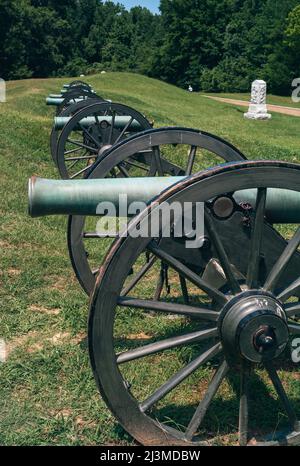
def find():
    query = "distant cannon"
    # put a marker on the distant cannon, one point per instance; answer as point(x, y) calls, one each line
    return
point(92, 129)
point(102, 124)
point(70, 94)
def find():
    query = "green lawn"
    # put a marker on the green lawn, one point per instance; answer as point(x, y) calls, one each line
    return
point(47, 392)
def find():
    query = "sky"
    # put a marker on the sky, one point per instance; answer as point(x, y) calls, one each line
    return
point(152, 5)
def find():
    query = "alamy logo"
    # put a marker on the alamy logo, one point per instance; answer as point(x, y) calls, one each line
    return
point(165, 220)
point(296, 91)
point(296, 350)
point(2, 91)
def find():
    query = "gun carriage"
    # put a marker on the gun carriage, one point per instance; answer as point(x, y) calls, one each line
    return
point(234, 297)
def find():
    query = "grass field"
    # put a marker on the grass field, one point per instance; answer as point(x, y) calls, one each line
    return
point(47, 392)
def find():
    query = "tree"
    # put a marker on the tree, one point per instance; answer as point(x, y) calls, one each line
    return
point(219, 45)
point(193, 40)
point(116, 52)
point(253, 48)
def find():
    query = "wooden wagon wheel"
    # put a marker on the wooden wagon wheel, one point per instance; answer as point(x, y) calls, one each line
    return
point(93, 129)
point(167, 382)
point(164, 152)
point(69, 111)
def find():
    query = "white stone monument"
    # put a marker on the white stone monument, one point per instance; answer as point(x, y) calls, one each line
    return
point(2, 90)
point(258, 107)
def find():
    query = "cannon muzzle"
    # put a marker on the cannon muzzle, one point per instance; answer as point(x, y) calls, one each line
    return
point(82, 197)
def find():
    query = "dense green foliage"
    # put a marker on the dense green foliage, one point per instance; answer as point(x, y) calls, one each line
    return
point(215, 45)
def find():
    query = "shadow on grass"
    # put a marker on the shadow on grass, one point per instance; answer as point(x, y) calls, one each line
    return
point(267, 419)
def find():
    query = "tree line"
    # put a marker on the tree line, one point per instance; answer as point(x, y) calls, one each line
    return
point(214, 45)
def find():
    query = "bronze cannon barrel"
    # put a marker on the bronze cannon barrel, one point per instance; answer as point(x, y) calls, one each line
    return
point(120, 121)
point(82, 197)
point(56, 101)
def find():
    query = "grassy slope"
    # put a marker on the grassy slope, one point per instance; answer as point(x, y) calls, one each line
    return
point(47, 392)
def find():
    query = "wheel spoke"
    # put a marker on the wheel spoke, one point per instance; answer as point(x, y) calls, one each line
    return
point(158, 161)
point(179, 377)
point(97, 120)
point(72, 151)
point(126, 127)
point(169, 308)
point(171, 168)
point(83, 157)
point(191, 160)
point(207, 399)
point(290, 290)
point(136, 165)
point(256, 240)
point(138, 276)
point(281, 394)
point(90, 136)
point(80, 172)
point(166, 344)
point(292, 309)
point(224, 261)
point(160, 282)
point(111, 132)
point(187, 273)
point(81, 144)
point(73, 164)
point(244, 405)
point(184, 289)
point(294, 329)
point(123, 171)
point(282, 262)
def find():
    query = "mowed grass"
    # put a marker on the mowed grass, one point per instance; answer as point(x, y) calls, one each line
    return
point(47, 392)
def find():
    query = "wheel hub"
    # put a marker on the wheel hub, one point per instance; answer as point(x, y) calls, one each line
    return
point(253, 327)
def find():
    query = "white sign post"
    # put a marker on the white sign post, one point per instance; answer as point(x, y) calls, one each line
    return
point(258, 107)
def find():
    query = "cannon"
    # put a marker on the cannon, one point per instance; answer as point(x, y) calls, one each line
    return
point(72, 96)
point(76, 83)
point(65, 91)
point(225, 323)
point(90, 132)
point(75, 86)
point(76, 95)
point(76, 92)
point(98, 129)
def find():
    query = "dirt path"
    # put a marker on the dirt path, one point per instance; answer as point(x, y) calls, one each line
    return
point(272, 108)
